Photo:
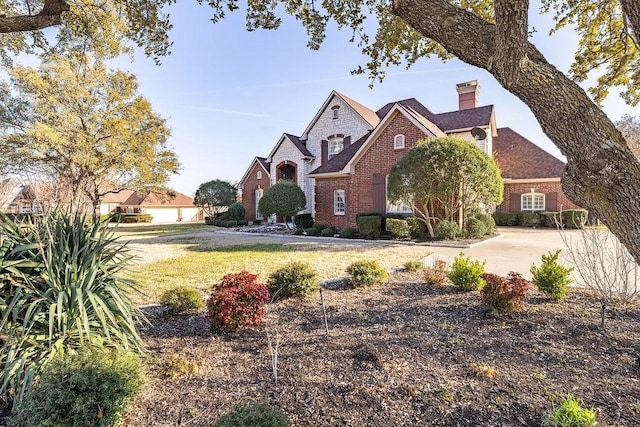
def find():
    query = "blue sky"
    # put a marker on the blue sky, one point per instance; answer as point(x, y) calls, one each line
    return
point(229, 94)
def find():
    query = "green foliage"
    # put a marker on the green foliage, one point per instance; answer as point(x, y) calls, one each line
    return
point(284, 199)
point(312, 231)
point(571, 414)
point(236, 211)
point(318, 227)
point(237, 302)
point(529, 219)
point(413, 266)
point(503, 218)
point(447, 230)
point(574, 218)
point(347, 233)
point(328, 232)
point(505, 294)
point(256, 415)
point(551, 277)
point(398, 227)
point(296, 279)
point(176, 366)
point(488, 221)
point(60, 290)
point(370, 226)
point(475, 228)
point(91, 388)
point(366, 273)
point(466, 274)
point(215, 196)
point(181, 299)
point(303, 221)
point(417, 228)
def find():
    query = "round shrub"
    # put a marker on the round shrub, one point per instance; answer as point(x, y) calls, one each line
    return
point(318, 227)
point(347, 233)
point(236, 211)
point(476, 228)
point(398, 227)
point(467, 274)
point(256, 415)
point(91, 388)
point(366, 273)
point(488, 222)
point(181, 299)
point(504, 294)
point(551, 277)
point(303, 221)
point(328, 232)
point(311, 231)
point(417, 228)
point(296, 279)
point(413, 266)
point(447, 230)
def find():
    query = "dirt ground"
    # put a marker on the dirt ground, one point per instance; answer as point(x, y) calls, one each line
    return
point(402, 354)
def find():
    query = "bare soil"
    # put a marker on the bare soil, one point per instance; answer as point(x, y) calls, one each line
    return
point(402, 354)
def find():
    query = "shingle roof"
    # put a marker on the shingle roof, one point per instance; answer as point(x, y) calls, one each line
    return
point(411, 103)
point(463, 119)
point(299, 144)
point(173, 199)
point(118, 197)
point(338, 162)
point(520, 158)
point(266, 165)
point(368, 114)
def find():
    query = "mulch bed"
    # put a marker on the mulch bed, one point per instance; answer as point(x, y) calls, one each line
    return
point(403, 354)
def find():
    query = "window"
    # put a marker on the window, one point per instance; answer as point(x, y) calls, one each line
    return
point(339, 205)
point(335, 109)
point(335, 146)
point(398, 142)
point(259, 175)
point(401, 206)
point(532, 202)
point(258, 196)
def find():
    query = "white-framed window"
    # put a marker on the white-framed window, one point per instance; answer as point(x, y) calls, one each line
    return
point(335, 109)
point(259, 175)
point(398, 142)
point(339, 203)
point(401, 206)
point(532, 202)
point(335, 146)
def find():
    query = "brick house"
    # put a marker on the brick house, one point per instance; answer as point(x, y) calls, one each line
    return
point(343, 157)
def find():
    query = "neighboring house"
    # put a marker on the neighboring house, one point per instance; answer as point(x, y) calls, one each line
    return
point(255, 180)
point(173, 207)
point(17, 197)
point(343, 157)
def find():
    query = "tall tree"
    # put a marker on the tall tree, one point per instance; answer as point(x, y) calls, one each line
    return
point(84, 127)
point(215, 196)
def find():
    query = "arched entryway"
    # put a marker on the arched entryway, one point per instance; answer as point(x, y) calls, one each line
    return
point(286, 171)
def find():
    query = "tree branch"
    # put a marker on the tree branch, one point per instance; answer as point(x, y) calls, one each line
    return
point(512, 29)
point(50, 15)
point(631, 9)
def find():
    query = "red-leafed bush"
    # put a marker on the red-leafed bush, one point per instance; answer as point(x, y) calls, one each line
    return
point(237, 302)
point(505, 293)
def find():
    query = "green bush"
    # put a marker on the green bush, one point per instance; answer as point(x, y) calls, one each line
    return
point(134, 218)
point(236, 211)
point(181, 299)
point(256, 222)
point(243, 222)
point(370, 226)
point(303, 221)
point(228, 223)
point(505, 218)
point(413, 266)
point(467, 274)
point(417, 228)
point(574, 218)
point(91, 388)
point(551, 277)
point(256, 415)
point(475, 228)
point(311, 231)
point(209, 220)
point(571, 414)
point(530, 219)
point(296, 279)
point(318, 227)
point(398, 227)
point(504, 293)
point(488, 221)
point(328, 232)
point(347, 233)
point(447, 230)
point(366, 273)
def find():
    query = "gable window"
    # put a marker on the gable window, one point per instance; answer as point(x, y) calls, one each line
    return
point(532, 202)
point(398, 142)
point(335, 109)
point(335, 146)
point(259, 175)
point(339, 204)
point(401, 206)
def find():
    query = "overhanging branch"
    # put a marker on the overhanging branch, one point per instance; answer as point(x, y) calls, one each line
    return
point(50, 15)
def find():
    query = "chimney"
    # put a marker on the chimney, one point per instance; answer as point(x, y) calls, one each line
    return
point(468, 94)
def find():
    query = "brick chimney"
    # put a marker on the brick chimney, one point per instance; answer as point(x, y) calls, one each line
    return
point(468, 94)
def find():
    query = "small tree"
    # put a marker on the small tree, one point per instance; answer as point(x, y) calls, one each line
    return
point(284, 199)
point(214, 196)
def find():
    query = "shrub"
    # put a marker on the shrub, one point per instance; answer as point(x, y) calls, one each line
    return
point(571, 414)
point(236, 211)
point(366, 273)
point(318, 227)
point(296, 279)
point(370, 226)
point(505, 293)
point(228, 223)
point(303, 221)
point(413, 266)
point(256, 222)
point(347, 233)
point(237, 302)
point(181, 299)
point(488, 221)
point(551, 277)
point(467, 274)
point(91, 388)
point(417, 228)
point(243, 222)
point(134, 218)
point(505, 218)
point(529, 219)
point(398, 227)
point(256, 415)
point(311, 231)
point(176, 366)
point(328, 232)
point(475, 228)
point(437, 273)
point(447, 230)
point(574, 218)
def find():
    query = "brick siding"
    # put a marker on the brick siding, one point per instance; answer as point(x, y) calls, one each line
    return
point(539, 187)
point(251, 184)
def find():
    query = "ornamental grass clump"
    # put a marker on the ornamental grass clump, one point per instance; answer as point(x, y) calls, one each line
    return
point(237, 302)
point(366, 273)
point(296, 279)
point(571, 414)
point(181, 299)
point(505, 294)
point(466, 274)
point(551, 277)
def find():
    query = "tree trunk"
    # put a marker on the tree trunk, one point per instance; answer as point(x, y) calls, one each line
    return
point(50, 15)
point(602, 174)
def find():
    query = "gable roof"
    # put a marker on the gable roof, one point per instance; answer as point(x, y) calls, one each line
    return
point(118, 197)
point(296, 141)
point(173, 199)
point(519, 158)
point(340, 160)
point(262, 162)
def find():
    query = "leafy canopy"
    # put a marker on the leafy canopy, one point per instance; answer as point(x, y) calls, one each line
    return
point(284, 199)
point(215, 196)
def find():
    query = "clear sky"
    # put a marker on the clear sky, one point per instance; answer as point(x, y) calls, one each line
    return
point(228, 94)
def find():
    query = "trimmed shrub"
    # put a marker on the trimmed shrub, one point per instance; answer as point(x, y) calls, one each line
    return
point(370, 226)
point(181, 299)
point(571, 414)
point(475, 228)
point(413, 266)
point(243, 222)
point(504, 293)
point(303, 221)
point(256, 415)
point(318, 227)
point(209, 220)
point(437, 273)
point(347, 233)
point(398, 227)
point(574, 218)
point(447, 230)
point(328, 232)
point(311, 231)
point(551, 277)
point(236, 211)
point(91, 388)
point(228, 223)
point(296, 279)
point(488, 221)
point(505, 218)
point(366, 273)
point(529, 219)
point(256, 222)
point(237, 302)
point(417, 228)
point(466, 274)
